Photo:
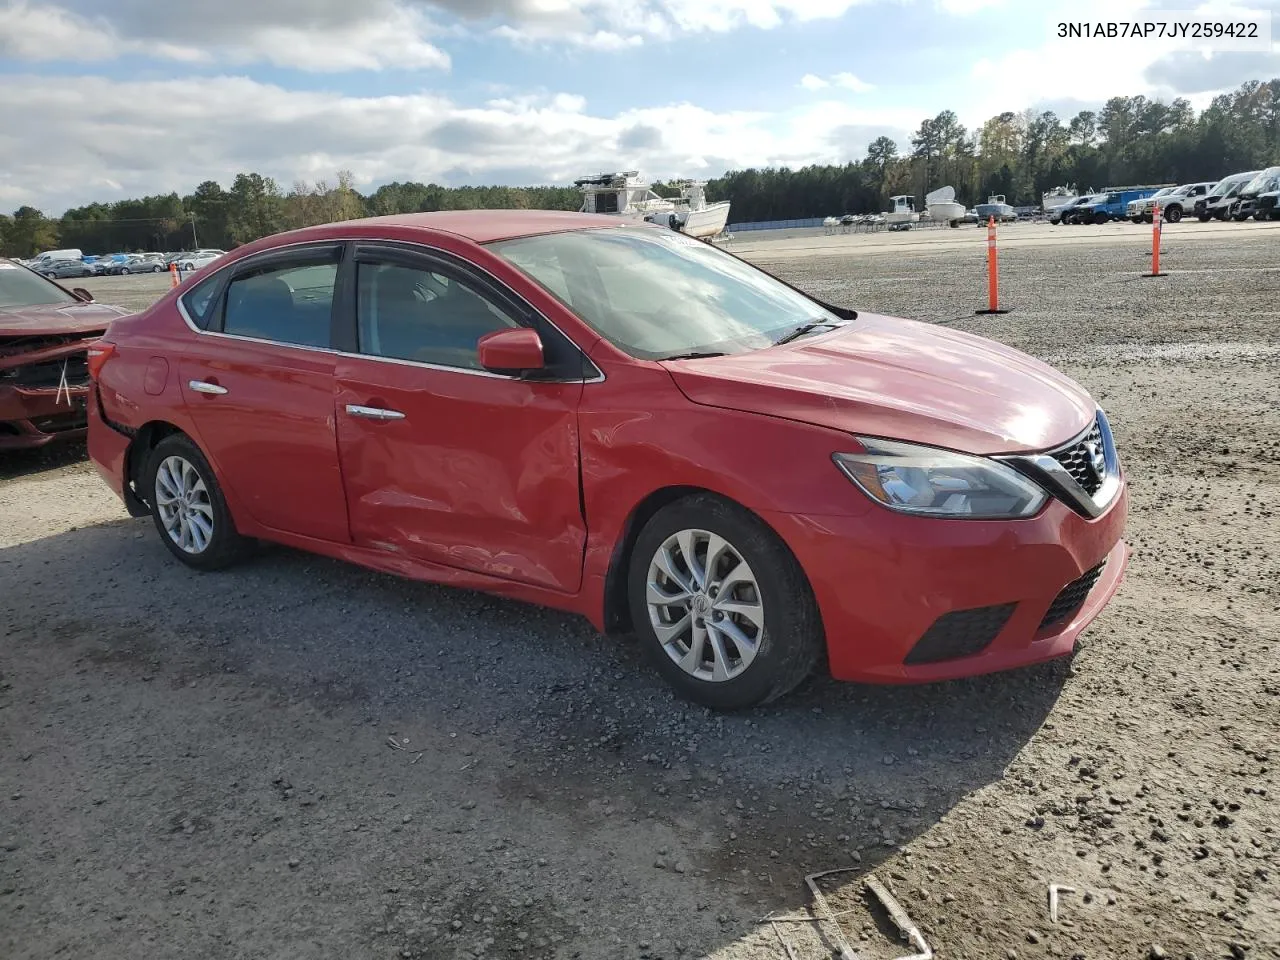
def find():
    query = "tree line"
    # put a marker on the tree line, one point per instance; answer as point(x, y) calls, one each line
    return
point(1130, 140)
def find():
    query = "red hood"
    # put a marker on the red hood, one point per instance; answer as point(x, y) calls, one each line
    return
point(57, 318)
point(900, 379)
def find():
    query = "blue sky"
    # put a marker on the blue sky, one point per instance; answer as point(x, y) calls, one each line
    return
point(154, 96)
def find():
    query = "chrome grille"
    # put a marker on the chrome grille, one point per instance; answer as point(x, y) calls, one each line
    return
point(1081, 459)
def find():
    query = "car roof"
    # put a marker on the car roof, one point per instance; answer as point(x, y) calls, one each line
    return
point(485, 226)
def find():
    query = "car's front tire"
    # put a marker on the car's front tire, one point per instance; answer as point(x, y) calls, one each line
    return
point(722, 606)
point(1173, 214)
point(188, 507)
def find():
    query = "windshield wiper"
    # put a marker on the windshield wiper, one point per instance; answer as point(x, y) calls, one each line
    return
point(695, 355)
point(804, 328)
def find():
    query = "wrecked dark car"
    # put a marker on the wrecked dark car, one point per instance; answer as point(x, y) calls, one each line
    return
point(44, 331)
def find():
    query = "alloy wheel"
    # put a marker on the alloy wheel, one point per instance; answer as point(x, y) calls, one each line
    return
point(186, 510)
point(705, 605)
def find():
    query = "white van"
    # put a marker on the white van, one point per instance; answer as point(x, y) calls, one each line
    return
point(57, 255)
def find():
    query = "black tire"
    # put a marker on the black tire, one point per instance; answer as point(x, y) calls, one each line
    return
point(791, 641)
point(225, 546)
point(1203, 217)
point(124, 271)
point(1136, 219)
point(1173, 214)
point(157, 269)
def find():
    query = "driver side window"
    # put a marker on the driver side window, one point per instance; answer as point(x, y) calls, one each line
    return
point(409, 313)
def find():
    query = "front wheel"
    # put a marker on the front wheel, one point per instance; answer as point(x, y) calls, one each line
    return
point(1100, 218)
point(157, 269)
point(1173, 214)
point(722, 606)
point(188, 507)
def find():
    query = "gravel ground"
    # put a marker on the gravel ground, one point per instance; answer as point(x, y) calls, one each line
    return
point(298, 758)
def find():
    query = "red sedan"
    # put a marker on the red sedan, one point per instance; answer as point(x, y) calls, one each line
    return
point(44, 331)
point(613, 419)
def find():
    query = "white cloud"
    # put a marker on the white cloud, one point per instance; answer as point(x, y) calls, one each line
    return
point(46, 32)
point(846, 80)
point(337, 35)
point(382, 34)
point(964, 8)
point(213, 128)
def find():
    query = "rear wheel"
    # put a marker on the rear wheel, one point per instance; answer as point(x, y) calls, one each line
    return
point(1100, 217)
point(722, 606)
point(188, 508)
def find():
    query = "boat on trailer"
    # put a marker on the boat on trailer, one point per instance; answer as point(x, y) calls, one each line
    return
point(902, 214)
point(695, 216)
point(1050, 200)
point(997, 208)
point(626, 194)
point(943, 206)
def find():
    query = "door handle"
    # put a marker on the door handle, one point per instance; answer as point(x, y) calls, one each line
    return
point(373, 413)
point(201, 386)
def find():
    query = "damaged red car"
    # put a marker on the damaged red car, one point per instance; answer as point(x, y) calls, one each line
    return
point(44, 379)
point(625, 422)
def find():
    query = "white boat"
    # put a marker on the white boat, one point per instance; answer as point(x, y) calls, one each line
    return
point(622, 194)
point(696, 217)
point(903, 213)
point(625, 194)
point(1057, 197)
point(942, 206)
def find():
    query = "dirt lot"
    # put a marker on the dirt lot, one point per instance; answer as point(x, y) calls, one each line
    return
point(201, 765)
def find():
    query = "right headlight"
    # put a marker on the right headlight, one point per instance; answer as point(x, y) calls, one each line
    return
point(928, 481)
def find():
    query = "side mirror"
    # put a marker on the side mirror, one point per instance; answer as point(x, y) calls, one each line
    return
point(80, 293)
point(511, 351)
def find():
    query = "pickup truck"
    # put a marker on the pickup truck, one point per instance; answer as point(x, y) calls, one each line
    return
point(1175, 202)
point(1113, 206)
point(1067, 212)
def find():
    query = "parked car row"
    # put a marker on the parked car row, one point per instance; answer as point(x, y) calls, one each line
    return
point(64, 264)
point(1243, 195)
point(1253, 193)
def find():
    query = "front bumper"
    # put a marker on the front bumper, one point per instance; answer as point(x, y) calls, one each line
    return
point(42, 396)
point(882, 580)
point(34, 417)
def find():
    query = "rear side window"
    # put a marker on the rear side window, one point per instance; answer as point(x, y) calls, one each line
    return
point(284, 302)
point(199, 301)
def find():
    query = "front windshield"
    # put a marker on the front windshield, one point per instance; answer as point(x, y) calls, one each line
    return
point(20, 287)
point(1258, 183)
point(657, 294)
point(1218, 188)
point(1162, 192)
